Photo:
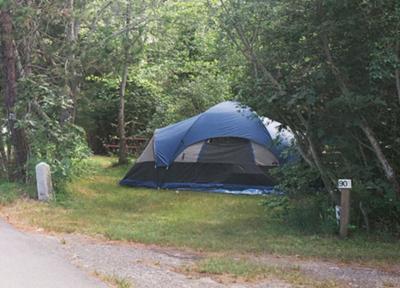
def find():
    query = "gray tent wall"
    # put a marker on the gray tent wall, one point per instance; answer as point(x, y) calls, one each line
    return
point(262, 156)
point(231, 163)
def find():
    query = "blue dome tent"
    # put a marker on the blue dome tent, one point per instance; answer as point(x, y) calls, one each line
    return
point(226, 147)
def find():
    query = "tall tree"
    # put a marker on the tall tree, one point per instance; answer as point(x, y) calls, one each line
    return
point(123, 149)
point(72, 80)
point(18, 138)
point(326, 70)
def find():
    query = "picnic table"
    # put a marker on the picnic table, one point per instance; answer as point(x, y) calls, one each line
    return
point(134, 145)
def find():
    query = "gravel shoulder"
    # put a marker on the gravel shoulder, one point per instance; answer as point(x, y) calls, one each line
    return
point(152, 266)
point(149, 266)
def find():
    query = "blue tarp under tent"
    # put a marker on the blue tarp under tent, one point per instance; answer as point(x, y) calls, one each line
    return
point(224, 149)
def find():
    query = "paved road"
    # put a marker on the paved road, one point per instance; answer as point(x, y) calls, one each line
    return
point(27, 261)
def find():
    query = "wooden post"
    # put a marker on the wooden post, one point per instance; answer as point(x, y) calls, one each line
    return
point(344, 212)
point(344, 186)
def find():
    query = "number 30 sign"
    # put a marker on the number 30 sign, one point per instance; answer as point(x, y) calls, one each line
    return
point(344, 183)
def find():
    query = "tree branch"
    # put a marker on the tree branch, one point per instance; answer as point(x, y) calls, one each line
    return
point(397, 70)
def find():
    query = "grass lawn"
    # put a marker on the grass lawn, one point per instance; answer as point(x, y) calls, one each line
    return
point(96, 204)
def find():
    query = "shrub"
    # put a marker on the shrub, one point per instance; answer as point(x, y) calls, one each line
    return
point(308, 207)
point(61, 145)
point(9, 192)
point(65, 152)
point(309, 214)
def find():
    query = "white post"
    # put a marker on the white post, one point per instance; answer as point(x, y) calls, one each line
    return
point(43, 181)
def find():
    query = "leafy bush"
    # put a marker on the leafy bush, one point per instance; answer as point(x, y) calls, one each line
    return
point(375, 207)
point(98, 110)
point(308, 207)
point(9, 192)
point(298, 179)
point(309, 214)
point(61, 145)
point(65, 152)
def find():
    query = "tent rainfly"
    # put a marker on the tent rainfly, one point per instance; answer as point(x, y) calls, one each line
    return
point(226, 148)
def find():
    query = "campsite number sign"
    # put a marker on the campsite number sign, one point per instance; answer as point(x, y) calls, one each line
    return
point(344, 183)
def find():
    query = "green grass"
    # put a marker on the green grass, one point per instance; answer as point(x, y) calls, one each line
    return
point(249, 270)
point(235, 267)
point(97, 205)
point(10, 192)
point(114, 280)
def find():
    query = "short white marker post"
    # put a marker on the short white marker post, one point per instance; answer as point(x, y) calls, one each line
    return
point(43, 182)
point(344, 186)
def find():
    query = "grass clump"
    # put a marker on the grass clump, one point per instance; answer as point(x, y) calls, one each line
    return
point(235, 267)
point(114, 280)
point(9, 192)
point(247, 270)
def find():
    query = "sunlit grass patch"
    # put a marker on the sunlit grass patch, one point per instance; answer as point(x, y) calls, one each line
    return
point(114, 280)
point(246, 270)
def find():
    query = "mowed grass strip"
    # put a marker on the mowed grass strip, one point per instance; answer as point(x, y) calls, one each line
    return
point(233, 269)
point(97, 205)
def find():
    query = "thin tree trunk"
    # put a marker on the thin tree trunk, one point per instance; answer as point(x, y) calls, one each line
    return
point(302, 144)
point(387, 168)
point(325, 179)
point(365, 217)
point(302, 152)
point(397, 70)
point(71, 75)
point(123, 152)
point(315, 156)
point(340, 79)
point(18, 138)
point(397, 75)
point(4, 159)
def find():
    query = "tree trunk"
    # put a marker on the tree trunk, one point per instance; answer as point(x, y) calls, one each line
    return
point(123, 152)
point(315, 156)
point(18, 138)
point(340, 79)
point(71, 76)
point(397, 70)
point(325, 179)
point(387, 168)
point(3, 158)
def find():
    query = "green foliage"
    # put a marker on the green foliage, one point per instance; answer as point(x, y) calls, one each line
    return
point(305, 206)
point(308, 214)
point(377, 200)
point(63, 147)
point(298, 179)
point(183, 61)
point(9, 192)
point(325, 69)
point(65, 152)
point(98, 110)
